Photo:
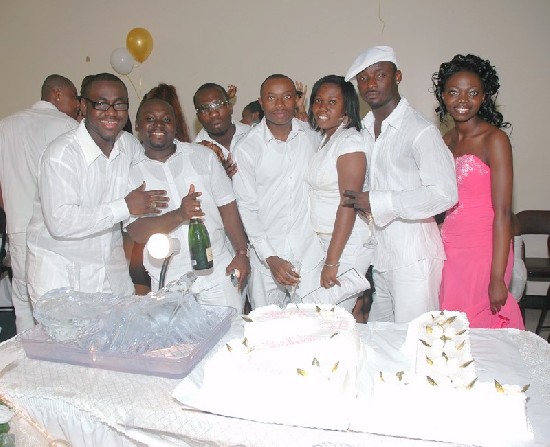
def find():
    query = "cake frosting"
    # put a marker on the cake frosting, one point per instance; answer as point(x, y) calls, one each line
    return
point(438, 395)
point(295, 366)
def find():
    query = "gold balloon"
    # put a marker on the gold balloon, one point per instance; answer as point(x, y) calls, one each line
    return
point(139, 43)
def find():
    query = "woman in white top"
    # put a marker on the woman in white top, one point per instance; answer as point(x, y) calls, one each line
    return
point(339, 164)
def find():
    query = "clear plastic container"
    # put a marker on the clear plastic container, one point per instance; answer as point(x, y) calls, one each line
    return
point(173, 362)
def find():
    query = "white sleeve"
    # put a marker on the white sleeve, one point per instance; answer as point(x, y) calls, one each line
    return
point(60, 185)
point(437, 192)
point(244, 185)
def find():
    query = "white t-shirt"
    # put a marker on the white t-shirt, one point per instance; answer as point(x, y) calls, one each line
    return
point(197, 165)
point(323, 179)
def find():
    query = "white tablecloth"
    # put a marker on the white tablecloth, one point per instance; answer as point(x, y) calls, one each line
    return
point(93, 407)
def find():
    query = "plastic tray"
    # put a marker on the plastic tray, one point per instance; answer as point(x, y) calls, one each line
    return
point(174, 362)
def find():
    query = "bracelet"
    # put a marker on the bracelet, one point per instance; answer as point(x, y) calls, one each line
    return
point(332, 265)
point(242, 251)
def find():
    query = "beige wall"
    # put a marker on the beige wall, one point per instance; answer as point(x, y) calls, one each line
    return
point(243, 41)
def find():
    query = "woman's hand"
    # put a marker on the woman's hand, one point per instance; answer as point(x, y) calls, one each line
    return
point(328, 276)
point(498, 293)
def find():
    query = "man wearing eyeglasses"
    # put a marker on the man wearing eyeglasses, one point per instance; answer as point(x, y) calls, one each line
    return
point(220, 133)
point(23, 138)
point(74, 237)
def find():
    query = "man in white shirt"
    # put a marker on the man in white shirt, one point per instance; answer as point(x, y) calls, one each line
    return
point(23, 138)
point(410, 179)
point(74, 237)
point(219, 132)
point(189, 171)
point(272, 196)
point(252, 113)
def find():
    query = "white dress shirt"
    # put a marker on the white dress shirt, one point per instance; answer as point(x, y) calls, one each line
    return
point(74, 237)
point(411, 178)
point(23, 138)
point(240, 130)
point(197, 165)
point(272, 194)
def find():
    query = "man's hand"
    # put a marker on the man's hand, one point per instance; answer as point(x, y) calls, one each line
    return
point(214, 148)
point(230, 166)
point(231, 91)
point(301, 91)
point(241, 264)
point(283, 271)
point(358, 200)
point(141, 202)
point(191, 205)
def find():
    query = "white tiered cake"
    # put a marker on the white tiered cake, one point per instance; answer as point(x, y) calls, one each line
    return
point(295, 366)
point(440, 396)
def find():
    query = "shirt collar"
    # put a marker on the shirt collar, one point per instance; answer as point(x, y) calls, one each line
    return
point(394, 119)
point(268, 136)
point(141, 157)
point(89, 147)
point(44, 105)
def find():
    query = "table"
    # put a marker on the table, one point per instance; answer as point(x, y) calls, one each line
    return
point(93, 407)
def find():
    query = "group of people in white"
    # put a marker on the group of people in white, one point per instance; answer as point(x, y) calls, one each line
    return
point(290, 203)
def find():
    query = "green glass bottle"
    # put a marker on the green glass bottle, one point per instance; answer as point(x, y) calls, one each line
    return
point(199, 245)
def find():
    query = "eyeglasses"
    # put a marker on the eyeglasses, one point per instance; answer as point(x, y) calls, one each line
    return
point(104, 106)
point(211, 106)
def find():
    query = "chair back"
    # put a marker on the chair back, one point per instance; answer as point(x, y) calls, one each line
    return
point(534, 221)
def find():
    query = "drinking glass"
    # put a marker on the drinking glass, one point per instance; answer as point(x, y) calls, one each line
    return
point(291, 290)
point(371, 241)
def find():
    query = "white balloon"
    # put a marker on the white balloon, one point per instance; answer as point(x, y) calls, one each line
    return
point(122, 61)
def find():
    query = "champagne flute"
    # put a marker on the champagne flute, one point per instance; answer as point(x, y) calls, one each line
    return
point(291, 290)
point(371, 242)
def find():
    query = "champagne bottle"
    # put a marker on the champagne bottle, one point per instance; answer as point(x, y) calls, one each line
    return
point(199, 245)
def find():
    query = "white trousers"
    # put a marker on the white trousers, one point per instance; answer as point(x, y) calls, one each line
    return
point(405, 293)
point(20, 295)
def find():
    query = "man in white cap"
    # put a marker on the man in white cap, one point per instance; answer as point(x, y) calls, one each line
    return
point(410, 179)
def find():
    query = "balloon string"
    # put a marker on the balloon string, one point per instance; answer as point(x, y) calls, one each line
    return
point(138, 94)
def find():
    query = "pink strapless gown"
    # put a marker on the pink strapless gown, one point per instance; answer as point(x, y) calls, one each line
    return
point(468, 240)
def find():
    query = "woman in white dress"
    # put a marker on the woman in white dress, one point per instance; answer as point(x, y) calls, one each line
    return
point(339, 164)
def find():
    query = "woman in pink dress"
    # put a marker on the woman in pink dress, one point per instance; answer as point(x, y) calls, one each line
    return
point(477, 231)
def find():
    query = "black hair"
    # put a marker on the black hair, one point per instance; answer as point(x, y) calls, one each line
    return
point(169, 94)
point(90, 79)
point(276, 76)
point(52, 82)
point(351, 100)
point(255, 107)
point(208, 86)
point(489, 78)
